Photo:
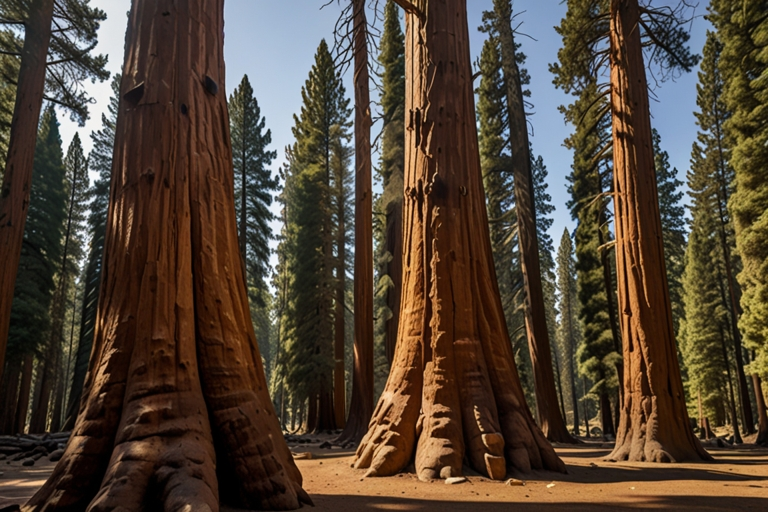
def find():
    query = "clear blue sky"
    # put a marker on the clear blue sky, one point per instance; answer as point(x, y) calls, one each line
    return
point(274, 41)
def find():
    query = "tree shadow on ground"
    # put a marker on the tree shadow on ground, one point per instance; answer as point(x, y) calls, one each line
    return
point(699, 503)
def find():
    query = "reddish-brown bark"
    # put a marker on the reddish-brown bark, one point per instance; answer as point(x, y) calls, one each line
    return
point(453, 391)
point(654, 423)
point(550, 419)
point(17, 179)
point(394, 246)
point(175, 404)
point(361, 404)
point(339, 389)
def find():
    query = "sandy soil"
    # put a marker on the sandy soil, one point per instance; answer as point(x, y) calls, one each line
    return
point(737, 481)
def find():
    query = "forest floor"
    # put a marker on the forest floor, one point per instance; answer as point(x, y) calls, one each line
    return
point(737, 481)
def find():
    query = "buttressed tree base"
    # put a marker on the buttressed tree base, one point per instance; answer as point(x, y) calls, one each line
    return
point(453, 390)
point(175, 410)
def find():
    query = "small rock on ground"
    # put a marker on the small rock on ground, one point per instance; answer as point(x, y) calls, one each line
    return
point(56, 455)
point(514, 482)
point(28, 462)
point(455, 480)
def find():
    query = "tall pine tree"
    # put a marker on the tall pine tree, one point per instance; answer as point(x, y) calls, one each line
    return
point(309, 241)
point(254, 186)
point(99, 160)
point(569, 327)
point(742, 28)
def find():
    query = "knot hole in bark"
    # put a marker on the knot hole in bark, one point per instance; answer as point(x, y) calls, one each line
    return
point(133, 97)
point(184, 109)
point(415, 125)
point(211, 87)
point(149, 175)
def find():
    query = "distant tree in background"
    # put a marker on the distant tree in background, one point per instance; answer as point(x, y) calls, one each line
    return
point(309, 241)
point(672, 226)
point(495, 161)
point(30, 321)
point(741, 29)
point(99, 160)
point(569, 328)
point(254, 186)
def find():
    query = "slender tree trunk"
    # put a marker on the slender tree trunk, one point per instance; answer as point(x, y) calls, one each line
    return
point(453, 390)
point(70, 353)
point(550, 419)
point(58, 398)
point(559, 382)
point(574, 399)
point(732, 399)
point(25, 388)
point(586, 409)
point(361, 406)
point(312, 413)
point(17, 179)
point(606, 421)
point(175, 361)
point(654, 423)
point(701, 415)
point(339, 389)
point(762, 429)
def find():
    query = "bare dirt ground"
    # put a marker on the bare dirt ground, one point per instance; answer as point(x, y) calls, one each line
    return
point(737, 481)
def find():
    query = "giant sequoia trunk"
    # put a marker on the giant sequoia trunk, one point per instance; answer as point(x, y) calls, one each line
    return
point(17, 179)
point(361, 404)
point(550, 419)
point(453, 390)
point(654, 420)
point(175, 401)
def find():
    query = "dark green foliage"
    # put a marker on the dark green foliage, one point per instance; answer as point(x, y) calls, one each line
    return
point(70, 59)
point(743, 30)
point(308, 258)
point(254, 186)
point(254, 183)
point(672, 226)
point(704, 325)
point(99, 160)
point(41, 250)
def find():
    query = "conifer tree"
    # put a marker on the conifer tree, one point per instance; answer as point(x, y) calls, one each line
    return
point(741, 28)
point(712, 178)
point(309, 316)
point(499, 21)
point(30, 321)
point(495, 161)
point(52, 386)
point(52, 64)
point(569, 328)
point(598, 355)
point(254, 185)
point(392, 61)
point(672, 226)
point(99, 160)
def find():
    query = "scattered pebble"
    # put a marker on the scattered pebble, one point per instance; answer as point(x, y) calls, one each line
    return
point(455, 480)
point(28, 462)
point(303, 455)
point(549, 486)
point(593, 465)
point(515, 482)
